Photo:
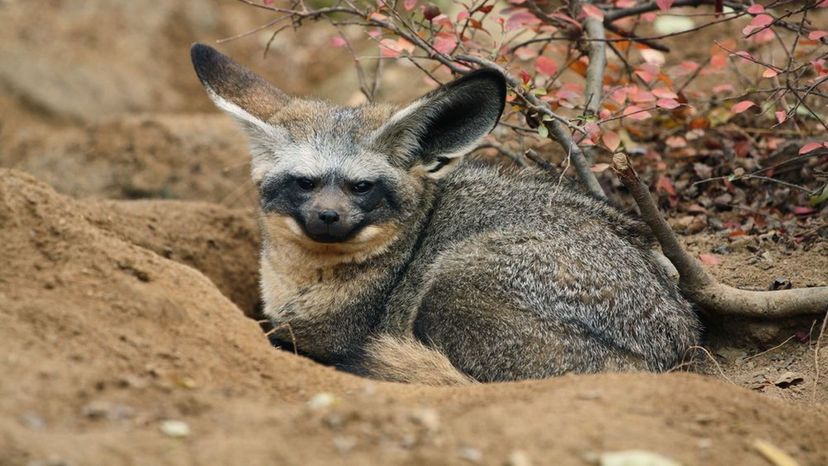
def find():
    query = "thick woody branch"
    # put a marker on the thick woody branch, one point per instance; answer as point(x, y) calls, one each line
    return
point(653, 6)
point(557, 130)
point(597, 65)
point(701, 288)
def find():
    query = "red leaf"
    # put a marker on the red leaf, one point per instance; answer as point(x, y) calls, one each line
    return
point(521, 18)
point(611, 140)
point(485, 8)
point(718, 61)
point(338, 41)
point(445, 43)
point(389, 48)
point(722, 88)
point(546, 66)
point(664, 184)
point(769, 73)
point(599, 167)
point(669, 104)
point(817, 35)
point(803, 210)
point(640, 95)
point(664, 5)
point(709, 259)
point(664, 93)
point(810, 147)
point(781, 116)
point(741, 106)
point(645, 75)
point(636, 113)
point(524, 76)
point(686, 67)
point(761, 21)
point(409, 4)
point(756, 9)
point(593, 130)
point(619, 95)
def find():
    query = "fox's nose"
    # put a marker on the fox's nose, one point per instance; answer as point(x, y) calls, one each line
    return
point(329, 216)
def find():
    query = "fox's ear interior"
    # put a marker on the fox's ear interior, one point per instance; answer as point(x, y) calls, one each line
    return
point(435, 131)
point(235, 89)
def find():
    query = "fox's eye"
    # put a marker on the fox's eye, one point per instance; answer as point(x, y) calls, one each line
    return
point(362, 187)
point(305, 184)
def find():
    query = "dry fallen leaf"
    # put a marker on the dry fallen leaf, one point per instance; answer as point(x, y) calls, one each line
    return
point(709, 259)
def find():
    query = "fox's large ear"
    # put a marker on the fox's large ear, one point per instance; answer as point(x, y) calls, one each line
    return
point(247, 97)
point(435, 131)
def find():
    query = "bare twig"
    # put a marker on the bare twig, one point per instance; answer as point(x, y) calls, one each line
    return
point(290, 332)
point(770, 349)
point(712, 359)
point(533, 156)
point(556, 129)
point(816, 356)
point(502, 150)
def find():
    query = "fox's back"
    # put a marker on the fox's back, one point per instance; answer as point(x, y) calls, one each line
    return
point(514, 243)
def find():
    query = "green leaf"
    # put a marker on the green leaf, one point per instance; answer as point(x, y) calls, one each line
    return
point(543, 131)
point(818, 199)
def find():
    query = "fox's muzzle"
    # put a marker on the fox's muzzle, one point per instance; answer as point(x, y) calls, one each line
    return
point(329, 226)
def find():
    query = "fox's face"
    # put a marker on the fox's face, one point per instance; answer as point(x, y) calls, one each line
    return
point(340, 179)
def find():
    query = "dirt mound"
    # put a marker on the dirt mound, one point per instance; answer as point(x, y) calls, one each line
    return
point(221, 243)
point(66, 60)
point(104, 340)
point(196, 156)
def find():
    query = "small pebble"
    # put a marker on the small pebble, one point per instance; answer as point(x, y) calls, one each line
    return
point(472, 455)
point(33, 421)
point(344, 444)
point(518, 458)
point(321, 401)
point(427, 418)
point(175, 428)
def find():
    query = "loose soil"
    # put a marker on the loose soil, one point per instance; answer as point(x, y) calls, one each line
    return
point(109, 331)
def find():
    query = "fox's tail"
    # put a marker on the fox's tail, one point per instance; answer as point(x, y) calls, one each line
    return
point(404, 359)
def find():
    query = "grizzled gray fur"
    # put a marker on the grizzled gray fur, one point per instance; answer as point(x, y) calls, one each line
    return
point(386, 255)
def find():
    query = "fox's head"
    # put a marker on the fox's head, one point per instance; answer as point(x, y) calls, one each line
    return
point(343, 179)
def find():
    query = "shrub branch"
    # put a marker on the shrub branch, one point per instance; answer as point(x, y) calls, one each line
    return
point(715, 298)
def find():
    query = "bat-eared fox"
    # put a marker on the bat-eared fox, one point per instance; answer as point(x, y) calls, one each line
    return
point(386, 255)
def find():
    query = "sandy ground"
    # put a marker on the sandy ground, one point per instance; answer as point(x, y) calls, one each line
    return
point(128, 257)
